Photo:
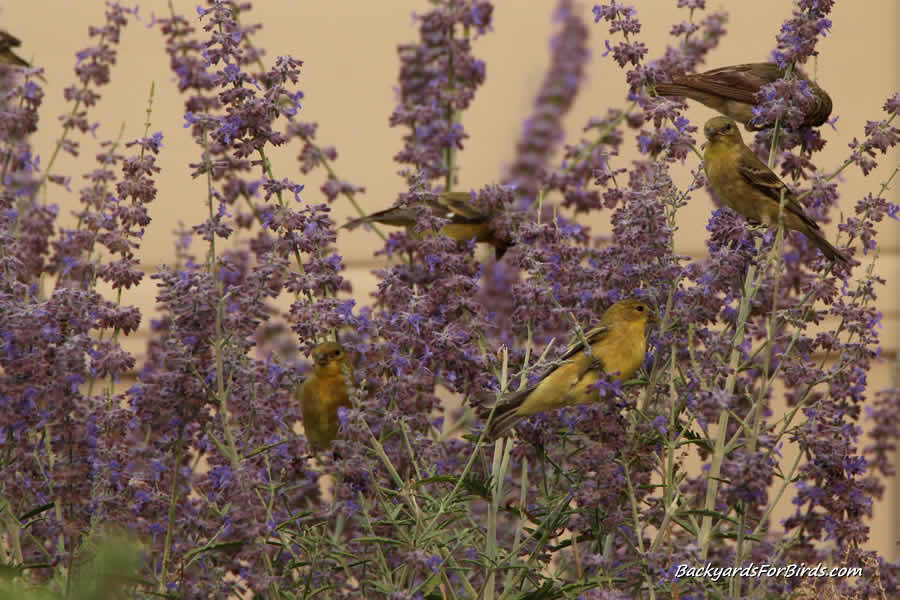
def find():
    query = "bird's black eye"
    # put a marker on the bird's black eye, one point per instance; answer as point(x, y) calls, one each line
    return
point(640, 308)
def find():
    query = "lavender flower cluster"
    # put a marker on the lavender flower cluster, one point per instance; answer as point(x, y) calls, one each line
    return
point(200, 459)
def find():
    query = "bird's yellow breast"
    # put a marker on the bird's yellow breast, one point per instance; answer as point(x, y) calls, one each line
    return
point(623, 349)
point(330, 392)
point(720, 160)
point(719, 169)
point(320, 397)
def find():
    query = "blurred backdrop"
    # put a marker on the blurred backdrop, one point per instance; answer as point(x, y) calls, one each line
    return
point(349, 72)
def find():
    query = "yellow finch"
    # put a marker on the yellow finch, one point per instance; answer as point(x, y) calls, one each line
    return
point(466, 220)
point(322, 393)
point(749, 187)
point(7, 56)
point(732, 91)
point(618, 345)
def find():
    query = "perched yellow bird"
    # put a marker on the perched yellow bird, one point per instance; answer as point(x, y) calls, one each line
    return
point(749, 187)
point(322, 393)
point(732, 91)
point(467, 221)
point(618, 345)
point(7, 56)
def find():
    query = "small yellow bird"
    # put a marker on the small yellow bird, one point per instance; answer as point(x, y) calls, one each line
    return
point(618, 345)
point(7, 56)
point(749, 187)
point(732, 91)
point(322, 393)
point(467, 221)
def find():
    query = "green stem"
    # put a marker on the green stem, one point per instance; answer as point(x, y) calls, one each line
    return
point(346, 193)
point(66, 130)
point(451, 116)
point(164, 575)
point(221, 396)
point(751, 286)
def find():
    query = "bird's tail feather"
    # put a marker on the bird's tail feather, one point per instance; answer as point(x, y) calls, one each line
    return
point(673, 89)
point(356, 223)
point(830, 252)
point(506, 415)
point(500, 249)
point(391, 216)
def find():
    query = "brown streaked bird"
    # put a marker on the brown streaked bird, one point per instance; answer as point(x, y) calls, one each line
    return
point(323, 392)
point(618, 345)
point(467, 221)
point(7, 56)
point(749, 187)
point(732, 91)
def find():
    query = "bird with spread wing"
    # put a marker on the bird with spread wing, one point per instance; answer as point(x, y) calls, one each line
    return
point(732, 91)
point(467, 220)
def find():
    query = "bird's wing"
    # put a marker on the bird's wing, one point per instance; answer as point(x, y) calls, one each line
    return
point(400, 216)
point(759, 175)
point(575, 346)
point(7, 56)
point(749, 73)
point(591, 337)
point(8, 40)
point(737, 82)
point(766, 181)
point(461, 205)
point(449, 205)
point(438, 207)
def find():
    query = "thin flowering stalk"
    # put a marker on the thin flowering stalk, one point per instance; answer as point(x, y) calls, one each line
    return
point(139, 188)
point(635, 513)
point(305, 133)
point(219, 340)
point(451, 115)
point(753, 423)
point(864, 148)
point(517, 538)
point(449, 498)
point(102, 57)
point(173, 504)
point(499, 466)
point(672, 495)
point(438, 80)
point(31, 96)
point(543, 130)
point(267, 169)
point(750, 288)
point(345, 190)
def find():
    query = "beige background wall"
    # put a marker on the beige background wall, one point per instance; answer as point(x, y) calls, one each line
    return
point(349, 51)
